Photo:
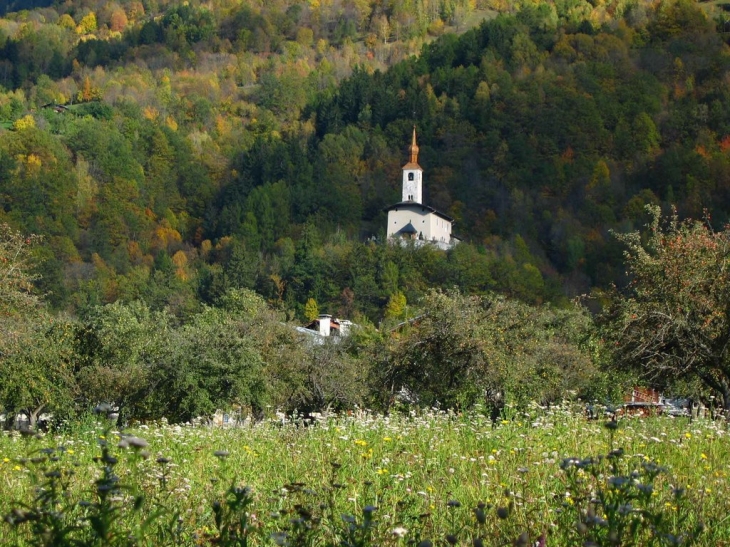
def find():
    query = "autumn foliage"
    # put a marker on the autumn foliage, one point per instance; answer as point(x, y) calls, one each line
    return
point(673, 322)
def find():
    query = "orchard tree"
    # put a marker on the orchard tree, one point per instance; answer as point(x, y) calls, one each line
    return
point(211, 363)
point(35, 349)
point(462, 350)
point(120, 348)
point(673, 320)
point(17, 298)
point(37, 372)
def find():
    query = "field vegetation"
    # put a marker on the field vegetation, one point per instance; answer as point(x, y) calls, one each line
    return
point(541, 474)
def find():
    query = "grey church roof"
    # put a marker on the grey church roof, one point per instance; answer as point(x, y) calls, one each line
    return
point(413, 205)
point(407, 229)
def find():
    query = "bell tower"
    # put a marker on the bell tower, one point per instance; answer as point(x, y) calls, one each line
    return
point(413, 174)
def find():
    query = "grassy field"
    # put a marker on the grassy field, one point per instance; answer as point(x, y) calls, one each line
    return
point(419, 479)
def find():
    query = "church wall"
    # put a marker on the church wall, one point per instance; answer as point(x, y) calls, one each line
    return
point(427, 223)
point(439, 229)
point(400, 218)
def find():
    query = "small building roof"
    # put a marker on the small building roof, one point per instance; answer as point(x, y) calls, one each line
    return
point(56, 107)
point(416, 205)
point(334, 323)
point(410, 166)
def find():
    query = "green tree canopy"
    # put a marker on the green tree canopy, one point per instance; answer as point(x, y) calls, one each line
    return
point(464, 350)
point(673, 322)
point(17, 295)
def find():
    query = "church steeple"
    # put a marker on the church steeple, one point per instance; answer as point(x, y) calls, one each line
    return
point(413, 149)
point(412, 174)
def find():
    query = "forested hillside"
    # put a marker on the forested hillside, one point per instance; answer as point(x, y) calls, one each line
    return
point(168, 152)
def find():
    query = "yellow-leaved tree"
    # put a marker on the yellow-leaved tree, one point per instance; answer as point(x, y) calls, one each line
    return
point(396, 307)
point(311, 309)
point(87, 25)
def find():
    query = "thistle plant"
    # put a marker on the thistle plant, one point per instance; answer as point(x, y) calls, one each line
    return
point(231, 516)
point(48, 515)
point(101, 518)
point(359, 532)
point(614, 499)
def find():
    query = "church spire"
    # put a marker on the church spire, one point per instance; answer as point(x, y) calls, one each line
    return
point(412, 172)
point(413, 149)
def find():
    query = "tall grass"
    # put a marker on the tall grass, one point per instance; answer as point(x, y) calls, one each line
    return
point(546, 476)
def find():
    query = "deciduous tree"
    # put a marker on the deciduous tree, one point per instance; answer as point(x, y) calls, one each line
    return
point(19, 303)
point(466, 349)
point(311, 310)
point(672, 322)
point(37, 371)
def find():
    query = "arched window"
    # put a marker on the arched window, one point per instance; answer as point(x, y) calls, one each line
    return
point(410, 176)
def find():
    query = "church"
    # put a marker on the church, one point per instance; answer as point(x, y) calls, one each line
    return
point(411, 219)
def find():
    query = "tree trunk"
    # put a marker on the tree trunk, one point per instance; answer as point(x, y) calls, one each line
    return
point(33, 416)
point(721, 386)
point(725, 393)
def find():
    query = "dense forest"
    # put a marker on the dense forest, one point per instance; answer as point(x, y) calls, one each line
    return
point(163, 156)
point(169, 152)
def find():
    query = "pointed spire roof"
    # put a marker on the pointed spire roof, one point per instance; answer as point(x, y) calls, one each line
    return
point(414, 147)
point(413, 151)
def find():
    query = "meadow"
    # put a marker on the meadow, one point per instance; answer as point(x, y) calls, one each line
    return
point(536, 477)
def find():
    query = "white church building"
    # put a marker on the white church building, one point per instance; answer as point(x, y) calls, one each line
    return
point(411, 219)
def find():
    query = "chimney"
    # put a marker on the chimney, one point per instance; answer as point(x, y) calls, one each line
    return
point(324, 324)
point(345, 327)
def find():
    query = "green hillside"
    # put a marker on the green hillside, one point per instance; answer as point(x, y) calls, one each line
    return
point(202, 147)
